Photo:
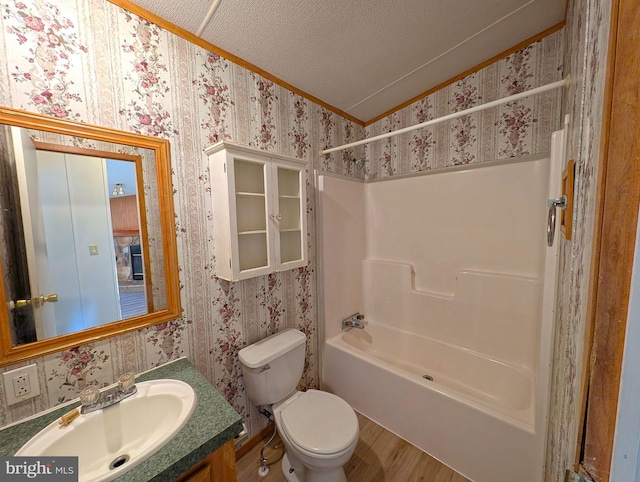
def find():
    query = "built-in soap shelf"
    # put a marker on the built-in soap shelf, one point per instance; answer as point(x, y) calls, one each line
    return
point(404, 274)
point(483, 305)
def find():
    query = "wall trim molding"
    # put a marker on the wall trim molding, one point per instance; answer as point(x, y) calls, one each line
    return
point(180, 32)
point(470, 71)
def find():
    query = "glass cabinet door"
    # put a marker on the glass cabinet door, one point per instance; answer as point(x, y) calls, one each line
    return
point(290, 206)
point(251, 207)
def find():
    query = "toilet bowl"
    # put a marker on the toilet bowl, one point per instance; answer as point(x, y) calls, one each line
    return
point(320, 433)
point(319, 430)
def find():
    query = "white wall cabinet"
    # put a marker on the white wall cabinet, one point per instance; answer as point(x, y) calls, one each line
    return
point(259, 211)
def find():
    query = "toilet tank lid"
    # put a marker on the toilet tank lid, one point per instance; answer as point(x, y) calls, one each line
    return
point(270, 348)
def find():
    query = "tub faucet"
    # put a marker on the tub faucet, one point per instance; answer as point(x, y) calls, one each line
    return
point(354, 321)
point(93, 399)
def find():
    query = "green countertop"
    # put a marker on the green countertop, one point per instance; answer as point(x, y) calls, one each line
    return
point(214, 422)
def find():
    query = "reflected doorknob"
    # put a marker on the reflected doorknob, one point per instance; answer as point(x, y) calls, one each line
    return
point(52, 298)
point(37, 301)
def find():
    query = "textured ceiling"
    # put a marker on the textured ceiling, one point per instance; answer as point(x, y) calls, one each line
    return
point(363, 57)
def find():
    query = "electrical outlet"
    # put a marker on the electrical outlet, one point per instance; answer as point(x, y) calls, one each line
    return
point(21, 384)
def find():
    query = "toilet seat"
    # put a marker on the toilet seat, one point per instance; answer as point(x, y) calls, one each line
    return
point(319, 424)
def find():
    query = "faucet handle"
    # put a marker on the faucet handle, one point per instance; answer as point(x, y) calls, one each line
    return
point(126, 381)
point(89, 395)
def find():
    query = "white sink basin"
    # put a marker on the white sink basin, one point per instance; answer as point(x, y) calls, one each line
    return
point(111, 441)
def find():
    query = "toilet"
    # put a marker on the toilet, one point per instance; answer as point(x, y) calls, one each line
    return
point(319, 429)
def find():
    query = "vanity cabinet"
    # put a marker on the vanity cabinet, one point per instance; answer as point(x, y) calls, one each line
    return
point(220, 466)
point(259, 211)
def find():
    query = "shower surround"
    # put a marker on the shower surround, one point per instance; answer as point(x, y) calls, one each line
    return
point(457, 286)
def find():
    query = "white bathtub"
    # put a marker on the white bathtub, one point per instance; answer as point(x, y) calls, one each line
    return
point(506, 391)
point(453, 275)
point(476, 416)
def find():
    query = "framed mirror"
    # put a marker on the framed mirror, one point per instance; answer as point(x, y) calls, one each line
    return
point(88, 240)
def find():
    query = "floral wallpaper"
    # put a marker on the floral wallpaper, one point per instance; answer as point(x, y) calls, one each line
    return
point(146, 109)
point(91, 61)
point(587, 32)
point(512, 130)
point(52, 43)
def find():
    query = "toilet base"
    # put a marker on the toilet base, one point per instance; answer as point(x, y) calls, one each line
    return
point(306, 475)
point(291, 474)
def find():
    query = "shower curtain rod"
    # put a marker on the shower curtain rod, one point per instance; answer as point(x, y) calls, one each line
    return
point(538, 90)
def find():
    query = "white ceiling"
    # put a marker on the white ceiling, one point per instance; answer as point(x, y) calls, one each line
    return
point(123, 172)
point(363, 57)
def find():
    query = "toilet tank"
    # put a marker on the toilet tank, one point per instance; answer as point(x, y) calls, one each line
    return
point(273, 366)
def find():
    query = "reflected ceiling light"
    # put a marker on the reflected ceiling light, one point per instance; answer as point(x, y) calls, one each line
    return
point(118, 189)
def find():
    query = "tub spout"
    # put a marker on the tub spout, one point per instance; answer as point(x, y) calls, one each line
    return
point(354, 321)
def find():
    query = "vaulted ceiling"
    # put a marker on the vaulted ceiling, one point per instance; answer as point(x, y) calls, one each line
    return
point(363, 57)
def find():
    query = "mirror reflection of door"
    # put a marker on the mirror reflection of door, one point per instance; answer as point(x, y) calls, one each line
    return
point(77, 252)
point(127, 238)
point(34, 241)
point(77, 220)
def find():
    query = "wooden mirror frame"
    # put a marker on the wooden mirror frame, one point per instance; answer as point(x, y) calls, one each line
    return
point(10, 354)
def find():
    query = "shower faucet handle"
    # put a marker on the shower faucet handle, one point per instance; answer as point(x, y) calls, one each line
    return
point(354, 321)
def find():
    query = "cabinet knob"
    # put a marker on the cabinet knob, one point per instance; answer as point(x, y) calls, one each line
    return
point(276, 217)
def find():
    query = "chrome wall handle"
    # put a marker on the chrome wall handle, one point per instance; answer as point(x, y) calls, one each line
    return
point(551, 225)
point(561, 203)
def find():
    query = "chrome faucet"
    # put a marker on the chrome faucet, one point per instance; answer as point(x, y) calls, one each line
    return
point(93, 399)
point(354, 321)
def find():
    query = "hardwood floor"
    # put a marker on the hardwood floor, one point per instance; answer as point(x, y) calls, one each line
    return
point(379, 457)
point(132, 303)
